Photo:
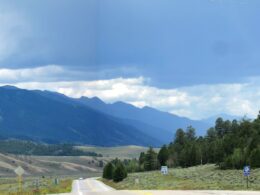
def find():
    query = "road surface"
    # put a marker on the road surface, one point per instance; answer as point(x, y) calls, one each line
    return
point(92, 186)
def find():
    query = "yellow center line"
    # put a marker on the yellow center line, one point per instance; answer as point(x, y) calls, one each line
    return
point(140, 192)
point(91, 186)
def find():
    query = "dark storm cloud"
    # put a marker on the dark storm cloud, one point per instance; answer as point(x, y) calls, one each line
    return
point(175, 43)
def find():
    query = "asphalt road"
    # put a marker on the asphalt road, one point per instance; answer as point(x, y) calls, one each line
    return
point(92, 186)
point(88, 186)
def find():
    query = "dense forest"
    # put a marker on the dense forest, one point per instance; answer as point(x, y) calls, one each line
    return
point(229, 145)
point(31, 148)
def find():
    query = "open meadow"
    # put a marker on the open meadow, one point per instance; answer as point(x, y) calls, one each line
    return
point(206, 177)
point(116, 152)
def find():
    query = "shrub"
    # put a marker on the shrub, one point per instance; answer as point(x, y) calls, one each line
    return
point(120, 172)
point(115, 170)
point(108, 171)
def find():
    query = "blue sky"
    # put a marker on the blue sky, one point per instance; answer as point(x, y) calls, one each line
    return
point(194, 58)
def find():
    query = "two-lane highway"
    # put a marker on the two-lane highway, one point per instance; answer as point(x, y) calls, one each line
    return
point(87, 186)
point(91, 186)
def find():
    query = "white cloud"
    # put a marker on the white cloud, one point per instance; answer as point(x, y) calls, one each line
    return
point(195, 101)
point(30, 74)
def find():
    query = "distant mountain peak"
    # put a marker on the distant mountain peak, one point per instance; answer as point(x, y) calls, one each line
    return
point(121, 103)
point(94, 99)
point(9, 87)
point(150, 109)
point(51, 117)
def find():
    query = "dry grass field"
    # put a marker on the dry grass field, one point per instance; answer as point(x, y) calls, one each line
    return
point(42, 171)
point(207, 177)
point(34, 186)
point(46, 168)
point(117, 152)
point(50, 165)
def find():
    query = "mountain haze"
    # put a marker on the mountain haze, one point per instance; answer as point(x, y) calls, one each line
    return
point(164, 122)
point(31, 115)
point(55, 118)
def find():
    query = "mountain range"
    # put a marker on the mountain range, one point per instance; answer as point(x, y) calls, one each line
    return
point(51, 117)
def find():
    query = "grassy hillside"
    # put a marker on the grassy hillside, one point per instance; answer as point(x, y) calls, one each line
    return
point(51, 165)
point(199, 177)
point(66, 165)
point(45, 169)
point(116, 152)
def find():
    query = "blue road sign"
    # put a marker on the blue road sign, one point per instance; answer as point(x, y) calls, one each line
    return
point(246, 170)
point(164, 170)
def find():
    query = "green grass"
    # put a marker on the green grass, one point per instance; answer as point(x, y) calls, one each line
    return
point(207, 177)
point(116, 152)
point(9, 186)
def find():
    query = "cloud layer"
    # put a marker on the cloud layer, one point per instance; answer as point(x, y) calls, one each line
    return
point(13, 32)
point(199, 101)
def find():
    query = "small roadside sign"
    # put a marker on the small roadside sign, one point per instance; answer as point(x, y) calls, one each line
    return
point(246, 171)
point(37, 183)
point(19, 171)
point(164, 170)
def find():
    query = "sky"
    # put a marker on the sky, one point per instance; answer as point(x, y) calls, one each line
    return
point(193, 58)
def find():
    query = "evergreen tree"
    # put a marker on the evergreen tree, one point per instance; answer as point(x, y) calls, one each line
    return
point(163, 155)
point(120, 172)
point(142, 158)
point(108, 171)
point(150, 160)
point(190, 134)
point(255, 158)
point(228, 144)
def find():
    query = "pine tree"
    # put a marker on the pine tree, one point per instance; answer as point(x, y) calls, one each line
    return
point(150, 160)
point(120, 172)
point(163, 155)
point(108, 171)
point(142, 158)
point(255, 158)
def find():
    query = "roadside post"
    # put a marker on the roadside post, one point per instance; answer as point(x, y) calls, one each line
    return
point(164, 170)
point(37, 183)
point(56, 181)
point(19, 171)
point(246, 174)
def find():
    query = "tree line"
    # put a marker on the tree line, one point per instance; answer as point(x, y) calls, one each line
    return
point(20, 147)
point(229, 144)
point(117, 170)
